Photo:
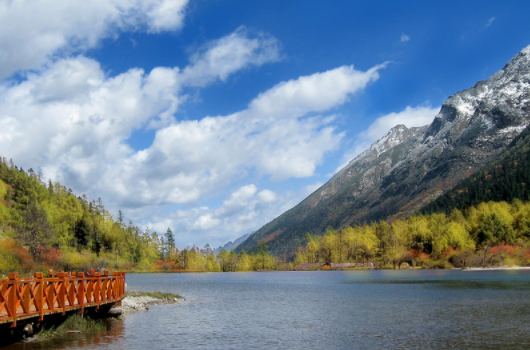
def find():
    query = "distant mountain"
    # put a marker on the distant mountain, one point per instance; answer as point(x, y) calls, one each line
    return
point(409, 168)
point(233, 245)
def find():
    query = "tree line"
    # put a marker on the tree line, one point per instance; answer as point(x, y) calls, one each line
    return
point(489, 234)
point(44, 225)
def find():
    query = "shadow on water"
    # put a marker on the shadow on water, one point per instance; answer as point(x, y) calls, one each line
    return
point(114, 332)
point(454, 284)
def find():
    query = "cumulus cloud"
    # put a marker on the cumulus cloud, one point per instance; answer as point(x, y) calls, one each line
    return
point(163, 15)
point(314, 93)
point(67, 116)
point(237, 201)
point(191, 160)
point(245, 210)
point(220, 58)
point(74, 121)
point(32, 32)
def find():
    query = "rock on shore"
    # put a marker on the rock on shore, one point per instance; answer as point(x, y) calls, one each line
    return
point(139, 302)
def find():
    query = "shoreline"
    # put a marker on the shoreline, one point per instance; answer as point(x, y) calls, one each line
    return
point(140, 301)
point(474, 268)
point(494, 268)
point(133, 301)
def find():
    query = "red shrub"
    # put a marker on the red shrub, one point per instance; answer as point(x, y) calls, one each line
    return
point(502, 249)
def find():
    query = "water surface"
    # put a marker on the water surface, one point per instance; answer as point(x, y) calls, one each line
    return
point(414, 309)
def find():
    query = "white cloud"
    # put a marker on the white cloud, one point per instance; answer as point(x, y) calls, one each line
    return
point(220, 58)
point(404, 38)
point(191, 160)
point(267, 196)
point(313, 93)
point(490, 22)
point(71, 113)
point(164, 15)
point(76, 121)
point(410, 117)
point(73, 120)
point(237, 201)
point(254, 208)
point(205, 222)
point(34, 31)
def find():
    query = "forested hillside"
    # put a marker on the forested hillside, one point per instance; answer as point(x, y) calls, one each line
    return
point(46, 226)
point(505, 179)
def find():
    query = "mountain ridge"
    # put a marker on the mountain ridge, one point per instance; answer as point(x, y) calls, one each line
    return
point(229, 246)
point(409, 168)
point(504, 179)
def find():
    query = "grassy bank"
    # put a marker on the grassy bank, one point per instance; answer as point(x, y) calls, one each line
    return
point(75, 323)
point(155, 294)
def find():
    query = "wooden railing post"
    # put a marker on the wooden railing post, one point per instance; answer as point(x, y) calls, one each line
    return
point(39, 294)
point(81, 291)
point(97, 288)
point(61, 295)
point(115, 285)
point(104, 286)
point(49, 287)
point(122, 285)
point(24, 290)
point(71, 289)
point(12, 297)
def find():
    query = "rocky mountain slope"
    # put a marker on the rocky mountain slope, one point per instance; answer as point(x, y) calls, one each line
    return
point(409, 168)
point(505, 179)
point(233, 245)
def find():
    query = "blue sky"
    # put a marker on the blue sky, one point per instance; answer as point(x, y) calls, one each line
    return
point(214, 117)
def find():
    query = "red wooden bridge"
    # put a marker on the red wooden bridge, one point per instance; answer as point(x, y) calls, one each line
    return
point(39, 296)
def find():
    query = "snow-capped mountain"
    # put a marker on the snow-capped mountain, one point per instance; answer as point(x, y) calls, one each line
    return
point(410, 167)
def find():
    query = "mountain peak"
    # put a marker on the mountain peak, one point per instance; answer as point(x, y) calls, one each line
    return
point(499, 105)
point(396, 136)
point(410, 167)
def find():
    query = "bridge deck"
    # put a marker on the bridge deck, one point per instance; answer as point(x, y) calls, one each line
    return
point(23, 298)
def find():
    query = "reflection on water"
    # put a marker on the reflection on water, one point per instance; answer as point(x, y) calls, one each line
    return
point(109, 338)
point(324, 310)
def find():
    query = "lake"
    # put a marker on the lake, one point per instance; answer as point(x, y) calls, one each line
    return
point(381, 309)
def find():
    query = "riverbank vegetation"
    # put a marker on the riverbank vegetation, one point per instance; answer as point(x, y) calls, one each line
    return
point(75, 323)
point(45, 226)
point(156, 294)
point(489, 234)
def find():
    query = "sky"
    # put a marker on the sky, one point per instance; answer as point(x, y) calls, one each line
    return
point(214, 117)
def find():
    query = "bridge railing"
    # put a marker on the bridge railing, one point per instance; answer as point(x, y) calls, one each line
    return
point(38, 296)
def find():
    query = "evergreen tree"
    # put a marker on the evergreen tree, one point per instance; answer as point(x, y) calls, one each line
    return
point(82, 232)
point(35, 232)
point(170, 243)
